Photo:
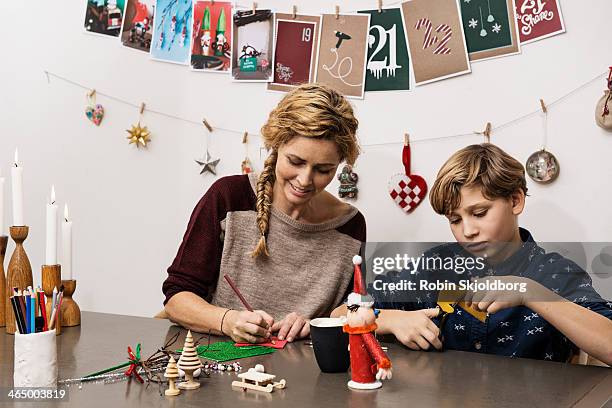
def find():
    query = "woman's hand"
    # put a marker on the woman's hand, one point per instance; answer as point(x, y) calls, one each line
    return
point(249, 327)
point(414, 329)
point(492, 301)
point(292, 327)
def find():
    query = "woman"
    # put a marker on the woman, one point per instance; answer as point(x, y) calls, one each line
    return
point(285, 241)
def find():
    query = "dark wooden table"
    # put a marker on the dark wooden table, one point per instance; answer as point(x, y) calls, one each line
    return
point(420, 379)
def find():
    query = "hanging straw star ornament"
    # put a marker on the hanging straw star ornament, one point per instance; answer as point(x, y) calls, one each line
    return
point(139, 135)
point(208, 164)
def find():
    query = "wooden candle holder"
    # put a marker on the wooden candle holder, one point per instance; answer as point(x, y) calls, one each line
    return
point(3, 296)
point(70, 314)
point(19, 273)
point(51, 278)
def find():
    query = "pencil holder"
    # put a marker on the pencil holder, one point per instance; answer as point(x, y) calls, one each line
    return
point(35, 360)
point(51, 278)
point(19, 273)
point(70, 313)
point(4, 295)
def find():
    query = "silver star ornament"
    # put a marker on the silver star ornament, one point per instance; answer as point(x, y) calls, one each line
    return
point(208, 164)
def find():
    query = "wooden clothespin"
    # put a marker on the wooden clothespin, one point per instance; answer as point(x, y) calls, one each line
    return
point(294, 12)
point(254, 9)
point(543, 106)
point(487, 132)
point(91, 93)
point(244, 137)
point(142, 108)
point(205, 122)
point(380, 6)
point(406, 139)
point(337, 12)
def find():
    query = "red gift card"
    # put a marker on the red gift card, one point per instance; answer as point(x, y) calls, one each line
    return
point(538, 19)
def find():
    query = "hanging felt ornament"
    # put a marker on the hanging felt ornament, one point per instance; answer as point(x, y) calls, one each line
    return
point(542, 166)
point(603, 116)
point(94, 111)
point(246, 166)
point(139, 135)
point(407, 190)
point(348, 183)
point(207, 162)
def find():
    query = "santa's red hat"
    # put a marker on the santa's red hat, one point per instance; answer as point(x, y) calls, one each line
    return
point(359, 296)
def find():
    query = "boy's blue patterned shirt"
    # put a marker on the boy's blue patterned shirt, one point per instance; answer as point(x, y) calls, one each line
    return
point(517, 331)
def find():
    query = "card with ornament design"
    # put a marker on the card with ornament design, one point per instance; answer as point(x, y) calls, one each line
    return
point(490, 28)
point(436, 41)
point(296, 46)
point(538, 19)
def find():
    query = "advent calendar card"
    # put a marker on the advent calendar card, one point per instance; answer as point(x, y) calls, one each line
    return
point(435, 39)
point(253, 35)
point(296, 42)
point(538, 19)
point(103, 17)
point(172, 31)
point(343, 53)
point(490, 28)
point(212, 36)
point(387, 67)
point(138, 24)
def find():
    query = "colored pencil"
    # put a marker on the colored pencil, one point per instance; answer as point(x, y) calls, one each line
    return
point(237, 292)
point(18, 315)
point(43, 309)
point(26, 298)
point(32, 314)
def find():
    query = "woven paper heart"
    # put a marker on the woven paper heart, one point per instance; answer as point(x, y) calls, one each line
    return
point(95, 113)
point(407, 191)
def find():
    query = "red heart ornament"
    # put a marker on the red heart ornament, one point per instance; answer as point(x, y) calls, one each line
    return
point(407, 190)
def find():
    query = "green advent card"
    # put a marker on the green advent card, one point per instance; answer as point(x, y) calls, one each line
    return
point(387, 66)
point(489, 27)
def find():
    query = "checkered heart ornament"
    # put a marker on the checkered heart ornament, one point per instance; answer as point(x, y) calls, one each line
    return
point(407, 190)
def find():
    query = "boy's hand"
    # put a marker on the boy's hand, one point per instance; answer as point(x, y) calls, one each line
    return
point(492, 301)
point(292, 327)
point(415, 329)
point(249, 327)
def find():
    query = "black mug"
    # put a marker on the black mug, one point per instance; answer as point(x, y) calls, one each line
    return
point(330, 344)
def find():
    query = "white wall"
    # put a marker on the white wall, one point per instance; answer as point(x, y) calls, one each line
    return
point(130, 207)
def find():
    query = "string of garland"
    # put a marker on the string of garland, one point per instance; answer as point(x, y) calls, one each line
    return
point(499, 127)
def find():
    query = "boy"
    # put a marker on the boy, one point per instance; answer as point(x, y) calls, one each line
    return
point(481, 190)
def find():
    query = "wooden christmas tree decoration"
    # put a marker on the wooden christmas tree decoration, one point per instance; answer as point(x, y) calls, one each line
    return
point(172, 374)
point(189, 362)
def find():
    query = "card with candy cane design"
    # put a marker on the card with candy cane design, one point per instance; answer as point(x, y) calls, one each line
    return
point(436, 42)
point(538, 19)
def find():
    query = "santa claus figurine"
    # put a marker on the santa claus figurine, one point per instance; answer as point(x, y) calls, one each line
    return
point(369, 363)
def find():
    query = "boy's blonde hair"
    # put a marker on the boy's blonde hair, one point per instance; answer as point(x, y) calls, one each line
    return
point(498, 175)
point(310, 110)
